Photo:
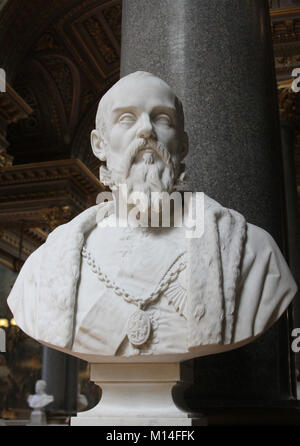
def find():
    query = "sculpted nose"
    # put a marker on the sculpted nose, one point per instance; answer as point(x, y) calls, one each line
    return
point(145, 129)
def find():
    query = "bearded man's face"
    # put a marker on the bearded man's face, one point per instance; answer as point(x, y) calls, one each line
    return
point(143, 136)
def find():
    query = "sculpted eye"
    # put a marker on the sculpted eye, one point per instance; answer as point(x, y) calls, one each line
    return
point(127, 118)
point(162, 118)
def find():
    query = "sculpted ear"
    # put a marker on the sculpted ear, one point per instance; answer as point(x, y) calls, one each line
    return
point(185, 145)
point(97, 144)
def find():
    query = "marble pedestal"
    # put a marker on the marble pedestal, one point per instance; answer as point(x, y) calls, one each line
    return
point(134, 395)
point(38, 418)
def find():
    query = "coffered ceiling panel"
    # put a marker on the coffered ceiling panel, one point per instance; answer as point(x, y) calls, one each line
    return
point(90, 37)
point(66, 56)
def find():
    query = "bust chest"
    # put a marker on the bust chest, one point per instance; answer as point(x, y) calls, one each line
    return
point(136, 261)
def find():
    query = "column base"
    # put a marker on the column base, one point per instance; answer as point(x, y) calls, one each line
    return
point(134, 395)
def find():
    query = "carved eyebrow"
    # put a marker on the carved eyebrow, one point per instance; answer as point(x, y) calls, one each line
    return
point(163, 109)
point(120, 110)
point(156, 110)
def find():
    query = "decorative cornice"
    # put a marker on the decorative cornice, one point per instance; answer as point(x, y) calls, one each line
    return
point(56, 216)
point(38, 197)
point(285, 12)
point(12, 252)
point(27, 190)
point(52, 170)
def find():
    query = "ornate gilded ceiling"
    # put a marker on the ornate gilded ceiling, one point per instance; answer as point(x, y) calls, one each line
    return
point(60, 56)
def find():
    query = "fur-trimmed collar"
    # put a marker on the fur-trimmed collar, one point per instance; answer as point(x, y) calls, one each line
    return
point(213, 271)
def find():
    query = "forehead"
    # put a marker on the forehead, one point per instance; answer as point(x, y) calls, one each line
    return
point(142, 93)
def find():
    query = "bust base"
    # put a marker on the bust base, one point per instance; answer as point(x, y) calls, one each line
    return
point(38, 418)
point(130, 421)
point(134, 395)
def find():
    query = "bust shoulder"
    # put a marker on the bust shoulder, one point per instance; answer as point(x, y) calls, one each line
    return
point(261, 245)
point(266, 284)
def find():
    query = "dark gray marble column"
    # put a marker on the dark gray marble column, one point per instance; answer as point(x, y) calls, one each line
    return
point(60, 371)
point(217, 56)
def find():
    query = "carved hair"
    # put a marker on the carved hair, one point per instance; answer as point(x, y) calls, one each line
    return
point(103, 107)
point(104, 110)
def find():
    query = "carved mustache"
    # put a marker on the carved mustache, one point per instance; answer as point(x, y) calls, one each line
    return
point(143, 144)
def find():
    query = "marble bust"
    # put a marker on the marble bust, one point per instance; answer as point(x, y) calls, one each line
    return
point(108, 292)
point(37, 402)
point(40, 399)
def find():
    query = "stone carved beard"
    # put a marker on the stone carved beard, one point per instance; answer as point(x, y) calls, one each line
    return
point(150, 170)
point(147, 176)
point(144, 170)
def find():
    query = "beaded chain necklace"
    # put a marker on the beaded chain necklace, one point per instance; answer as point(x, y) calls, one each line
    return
point(138, 324)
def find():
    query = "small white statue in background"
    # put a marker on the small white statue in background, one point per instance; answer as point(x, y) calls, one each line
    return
point(38, 401)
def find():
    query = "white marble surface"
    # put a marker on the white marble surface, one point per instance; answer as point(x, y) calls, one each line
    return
point(40, 399)
point(235, 282)
point(265, 290)
point(37, 402)
point(134, 394)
